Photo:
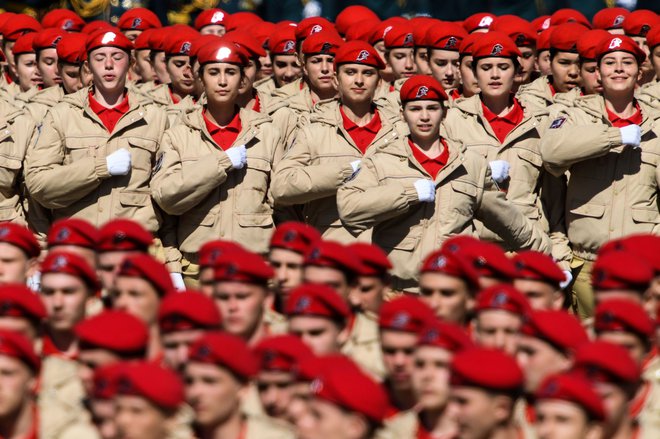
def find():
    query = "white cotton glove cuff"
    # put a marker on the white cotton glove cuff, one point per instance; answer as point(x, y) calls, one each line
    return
point(567, 282)
point(425, 190)
point(238, 156)
point(356, 165)
point(499, 170)
point(119, 162)
point(177, 280)
point(631, 135)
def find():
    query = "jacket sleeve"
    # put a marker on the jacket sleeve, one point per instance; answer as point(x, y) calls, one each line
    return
point(364, 201)
point(297, 181)
point(566, 141)
point(180, 185)
point(51, 182)
point(553, 200)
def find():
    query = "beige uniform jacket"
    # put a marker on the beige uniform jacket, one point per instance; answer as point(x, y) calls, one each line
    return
point(613, 188)
point(266, 85)
point(162, 97)
point(43, 101)
point(13, 143)
point(258, 427)
point(196, 182)
point(67, 171)
point(650, 94)
point(535, 192)
point(318, 163)
point(383, 196)
point(363, 345)
point(537, 95)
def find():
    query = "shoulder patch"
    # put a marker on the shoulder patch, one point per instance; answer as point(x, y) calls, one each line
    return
point(557, 123)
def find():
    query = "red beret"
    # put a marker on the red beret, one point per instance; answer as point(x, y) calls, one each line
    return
point(620, 43)
point(643, 245)
point(313, 25)
point(18, 300)
point(465, 49)
point(281, 352)
point(481, 20)
point(243, 266)
point(573, 388)
point(20, 24)
point(73, 231)
point(351, 15)
point(222, 52)
point(444, 335)
point(538, 266)
point(179, 45)
point(518, 29)
point(283, 42)
point(361, 31)
point(334, 255)
point(564, 37)
point(158, 37)
point(262, 31)
point(72, 48)
point(604, 361)
point(421, 26)
point(146, 267)
point(445, 37)
point(568, 15)
point(489, 260)
point(239, 20)
point(142, 40)
point(406, 314)
point(401, 35)
point(106, 379)
point(20, 237)
point(324, 43)
point(653, 37)
point(94, 26)
point(248, 42)
point(610, 18)
point(5, 17)
point(138, 19)
point(203, 41)
point(212, 251)
point(620, 315)
point(621, 270)
point(215, 16)
point(587, 44)
point(338, 383)
point(188, 310)
point(422, 88)
point(153, 382)
point(488, 369)
point(47, 39)
point(543, 40)
point(541, 24)
point(451, 264)
point(358, 52)
point(16, 345)
point(108, 38)
point(639, 22)
point(123, 235)
point(316, 300)
point(73, 265)
point(503, 297)
point(495, 44)
point(558, 328)
point(115, 331)
point(294, 236)
point(24, 44)
point(373, 259)
point(227, 351)
point(64, 19)
point(381, 29)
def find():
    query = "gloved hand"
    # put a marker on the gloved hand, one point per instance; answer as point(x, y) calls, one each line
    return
point(631, 135)
point(425, 190)
point(499, 170)
point(356, 165)
point(177, 280)
point(238, 156)
point(119, 162)
point(567, 282)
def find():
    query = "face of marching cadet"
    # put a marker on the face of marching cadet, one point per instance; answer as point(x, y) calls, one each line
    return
point(70, 74)
point(448, 296)
point(430, 376)
point(590, 81)
point(213, 393)
point(323, 335)
point(398, 348)
point(288, 266)
point(109, 67)
point(320, 70)
point(356, 83)
point(213, 29)
point(157, 60)
point(543, 62)
point(222, 82)
point(15, 265)
point(422, 61)
point(136, 296)
point(250, 72)
point(176, 345)
point(386, 73)
point(17, 385)
point(27, 71)
point(618, 72)
point(181, 75)
point(65, 298)
point(654, 57)
point(266, 66)
point(423, 119)
point(541, 295)
point(468, 78)
point(557, 419)
point(444, 67)
point(527, 63)
point(495, 76)
point(286, 69)
point(275, 391)
point(143, 65)
point(646, 67)
point(402, 62)
point(138, 418)
point(498, 329)
point(47, 64)
point(241, 305)
point(565, 68)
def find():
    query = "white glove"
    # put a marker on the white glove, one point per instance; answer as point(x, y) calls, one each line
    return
point(238, 156)
point(177, 280)
point(34, 282)
point(567, 282)
point(631, 135)
point(119, 162)
point(356, 165)
point(425, 190)
point(499, 170)
point(312, 9)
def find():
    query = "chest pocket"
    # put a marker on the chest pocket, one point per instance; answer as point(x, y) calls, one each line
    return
point(464, 197)
point(142, 153)
point(649, 168)
point(78, 148)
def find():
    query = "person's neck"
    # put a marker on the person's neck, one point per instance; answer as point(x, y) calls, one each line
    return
point(403, 399)
point(64, 341)
point(437, 422)
point(247, 99)
point(624, 431)
point(431, 147)
point(258, 334)
point(230, 428)
point(320, 94)
point(505, 431)
point(622, 104)
point(109, 98)
point(499, 105)
point(221, 115)
point(19, 423)
point(360, 113)
point(154, 348)
point(178, 94)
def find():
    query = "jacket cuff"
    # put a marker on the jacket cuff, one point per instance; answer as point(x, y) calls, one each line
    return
point(224, 163)
point(345, 173)
point(614, 137)
point(101, 168)
point(410, 194)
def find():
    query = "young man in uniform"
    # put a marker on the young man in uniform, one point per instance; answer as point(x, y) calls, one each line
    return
point(23, 312)
point(540, 279)
point(74, 235)
point(12, 30)
point(19, 251)
point(443, 44)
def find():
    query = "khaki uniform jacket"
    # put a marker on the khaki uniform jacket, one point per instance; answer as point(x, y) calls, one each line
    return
point(613, 188)
point(568, 98)
point(383, 196)
point(196, 182)
point(650, 94)
point(536, 95)
point(363, 345)
point(43, 101)
point(161, 97)
point(67, 170)
point(263, 428)
point(318, 163)
point(535, 192)
point(266, 85)
point(13, 142)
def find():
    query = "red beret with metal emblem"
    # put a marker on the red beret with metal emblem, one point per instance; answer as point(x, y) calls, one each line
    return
point(248, 42)
point(406, 314)
point(495, 44)
point(444, 335)
point(18, 300)
point(422, 88)
point(573, 388)
point(153, 382)
point(568, 15)
point(16, 345)
point(446, 37)
point(312, 25)
point(467, 44)
point(213, 251)
point(620, 43)
point(222, 52)
point(108, 38)
point(518, 29)
point(538, 266)
point(358, 52)
point(481, 20)
point(610, 18)
point(227, 351)
point(73, 231)
point(586, 45)
point(401, 35)
point(621, 270)
point(179, 45)
point(644, 245)
point(381, 29)
point(283, 42)
point(106, 379)
point(211, 17)
point(361, 31)
point(96, 25)
point(21, 237)
point(316, 300)
point(20, 24)
point(324, 43)
point(116, 331)
point(47, 39)
point(606, 362)
point(503, 297)
point(188, 310)
point(621, 315)
point(24, 44)
point(71, 264)
point(142, 42)
point(333, 255)
point(489, 260)
point(488, 369)
point(281, 353)
point(72, 48)
point(421, 26)
point(146, 267)
point(558, 328)
point(243, 266)
point(138, 19)
point(123, 235)
point(451, 264)
point(373, 259)
point(204, 41)
point(241, 20)
point(653, 37)
point(639, 22)
point(543, 40)
point(64, 19)
point(541, 24)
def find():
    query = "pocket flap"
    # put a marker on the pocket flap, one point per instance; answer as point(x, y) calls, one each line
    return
point(531, 157)
point(10, 162)
point(645, 215)
point(83, 142)
point(148, 144)
point(134, 198)
point(258, 163)
point(590, 210)
point(255, 220)
point(464, 187)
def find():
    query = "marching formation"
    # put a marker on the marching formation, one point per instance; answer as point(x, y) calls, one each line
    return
point(359, 229)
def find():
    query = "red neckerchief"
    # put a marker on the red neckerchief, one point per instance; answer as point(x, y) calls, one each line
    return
point(49, 349)
point(503, 125)
point(8, 78)
point(530, 413)
point(362, 135)
point(553, 92)
point(431, 165)
point(620, 122)
point(649, 358)
point(422, 433)
point(225, 136)
point(456, 93)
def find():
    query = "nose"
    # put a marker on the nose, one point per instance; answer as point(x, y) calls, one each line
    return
point(325, 66)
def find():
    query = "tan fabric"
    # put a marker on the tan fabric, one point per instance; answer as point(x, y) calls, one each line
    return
point(195, 181)
point(259, 427)
point(403, 425)
point(613, 188)
point(649, 417)
point(537, 95)
point(266, 85)
point(363, 345)
point(650, 94)
point(14, 137)
point(43, 101)
point(383, 196)
point(317, 164)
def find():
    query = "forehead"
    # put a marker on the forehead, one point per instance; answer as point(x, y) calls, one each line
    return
point(494, 60)
point(357, 67)
point(433, 353)
point(619, 55)
point(498, 317)
point(221, 66)
point(186, 336)
point(440, 280)
point(284, 255)
point(9, 250)
point(135, 283)
point(316, 274)
point(309, 323)
point(237, 288)
point(444, 54)
point(61, 280)
point(105, 51)
point(389, 338)
point(559, 407)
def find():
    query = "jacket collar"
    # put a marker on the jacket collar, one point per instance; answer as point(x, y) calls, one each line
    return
point(250, 124)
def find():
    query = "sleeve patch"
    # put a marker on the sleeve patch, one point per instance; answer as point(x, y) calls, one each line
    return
point(557, 123)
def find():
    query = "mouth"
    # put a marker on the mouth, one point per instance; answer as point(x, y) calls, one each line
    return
point(408, 74)
point(109, 78)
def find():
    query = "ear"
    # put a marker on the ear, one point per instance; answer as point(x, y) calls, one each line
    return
point(557, 300)
point(356, 425)
point(594, 431)
point(32, 266)
point(502, 408)
point(343, 335)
